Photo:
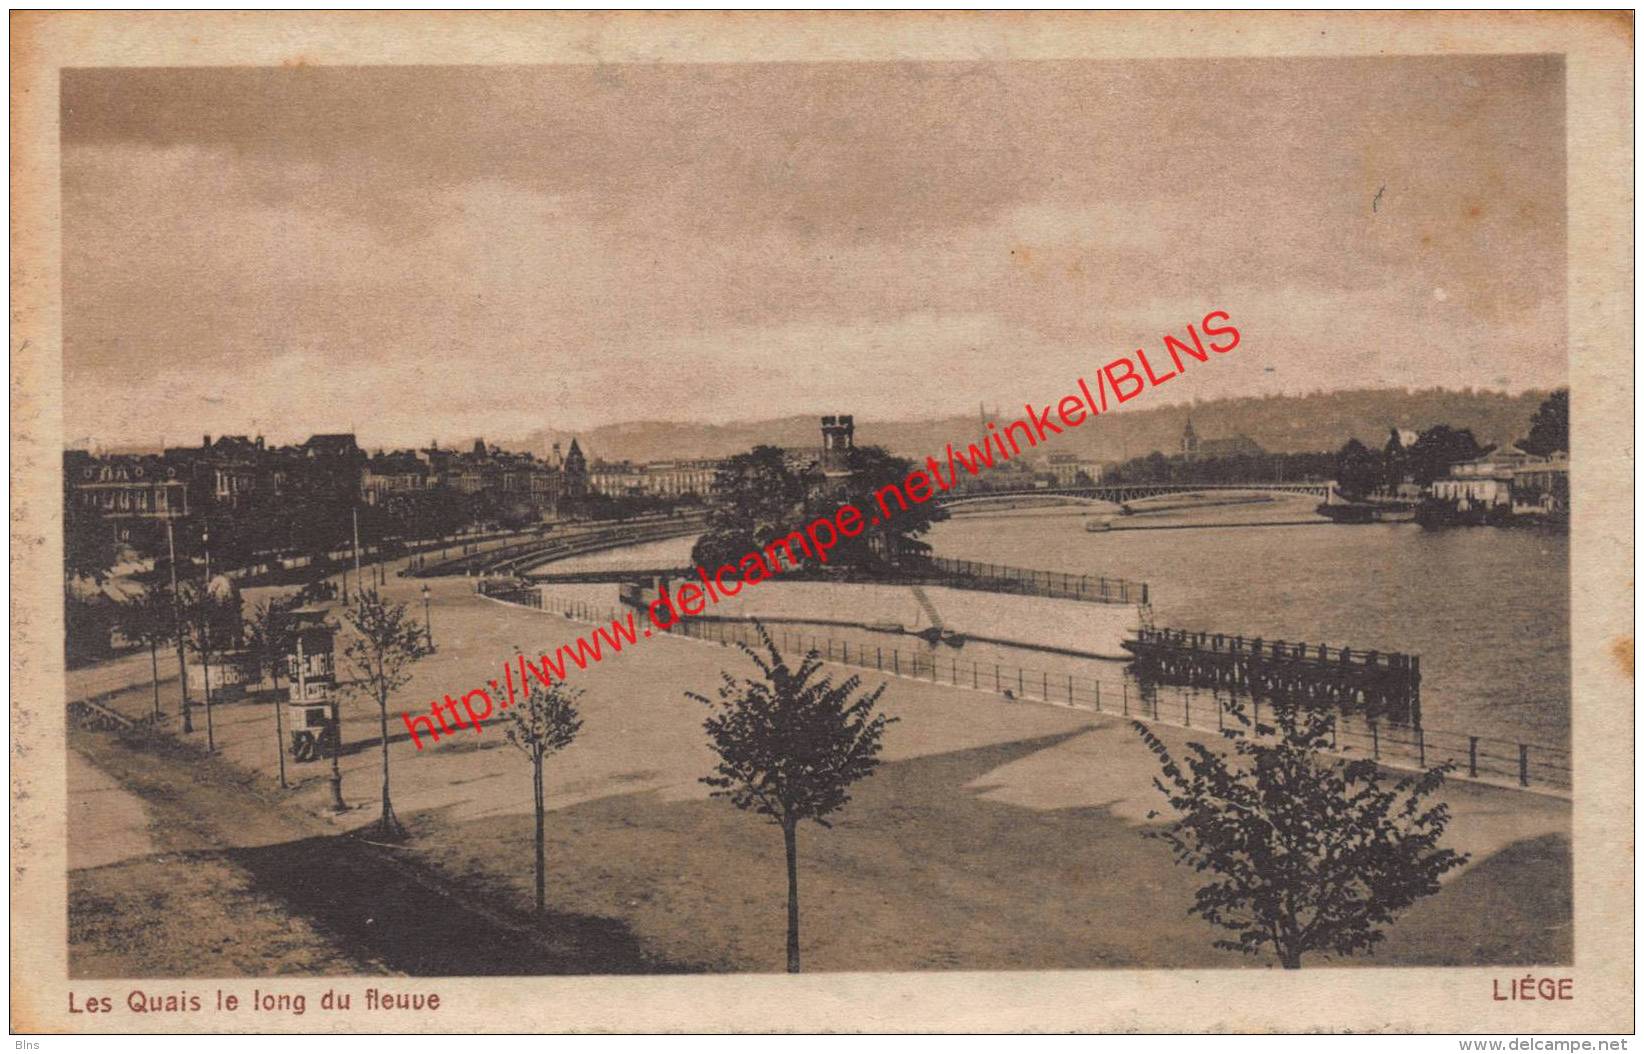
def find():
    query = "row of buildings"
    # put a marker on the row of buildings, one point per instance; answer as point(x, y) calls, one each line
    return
point(513, 479)
point(233, 474)
point(1506, 480)
point(657, 479)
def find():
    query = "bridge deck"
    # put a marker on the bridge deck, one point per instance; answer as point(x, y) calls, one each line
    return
point(1119, 493)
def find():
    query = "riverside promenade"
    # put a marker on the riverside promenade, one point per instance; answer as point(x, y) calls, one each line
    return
point(997, 835)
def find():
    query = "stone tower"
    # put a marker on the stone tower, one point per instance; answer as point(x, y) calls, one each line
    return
point(838, 440)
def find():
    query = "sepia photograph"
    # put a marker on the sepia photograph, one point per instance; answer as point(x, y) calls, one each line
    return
point(1030, 504)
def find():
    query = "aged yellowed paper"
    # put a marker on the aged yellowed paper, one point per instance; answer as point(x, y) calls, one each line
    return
point(777, 522)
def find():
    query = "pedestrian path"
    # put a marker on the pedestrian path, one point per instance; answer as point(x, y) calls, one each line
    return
point(109, 824)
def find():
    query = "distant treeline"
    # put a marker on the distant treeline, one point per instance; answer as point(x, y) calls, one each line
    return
point(1243, 468)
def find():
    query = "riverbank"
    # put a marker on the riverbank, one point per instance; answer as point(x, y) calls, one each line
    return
point(997, 835)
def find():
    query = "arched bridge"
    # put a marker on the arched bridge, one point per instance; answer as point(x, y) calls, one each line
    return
point(1125, 493)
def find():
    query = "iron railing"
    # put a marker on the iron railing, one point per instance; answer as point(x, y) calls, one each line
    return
point(1492, 759)
point(1002, 578)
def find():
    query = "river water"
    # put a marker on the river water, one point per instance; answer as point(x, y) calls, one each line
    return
point(1487, 609)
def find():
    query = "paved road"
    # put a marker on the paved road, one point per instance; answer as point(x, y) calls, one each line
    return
point(116, 674)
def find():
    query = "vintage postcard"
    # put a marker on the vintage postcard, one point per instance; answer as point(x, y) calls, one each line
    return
point(822, 522)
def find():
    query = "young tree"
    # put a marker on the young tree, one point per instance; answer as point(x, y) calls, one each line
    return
point(546, 723)
point(211, 623)
point(150, 617)
point(1311, 854)
point(385, 643)
point(269, 636)
point(790, 744)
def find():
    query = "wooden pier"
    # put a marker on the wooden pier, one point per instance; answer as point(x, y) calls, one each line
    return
point(1383, 686)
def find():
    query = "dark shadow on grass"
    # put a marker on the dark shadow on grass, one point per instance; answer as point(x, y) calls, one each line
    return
point(459, 738)
point(1513, 908)
point(925, 870)
point(378, 904)
point(357, 894)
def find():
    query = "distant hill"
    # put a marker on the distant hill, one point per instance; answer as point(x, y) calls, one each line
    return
point(1280, 423)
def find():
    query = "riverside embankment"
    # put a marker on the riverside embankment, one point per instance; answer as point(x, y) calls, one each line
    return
point(981, 800)
point(893, 611)
point(997, 835)
point(564, 543)
point(1480, 606)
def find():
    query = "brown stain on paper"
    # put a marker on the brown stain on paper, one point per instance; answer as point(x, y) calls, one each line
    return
point(1621, 650)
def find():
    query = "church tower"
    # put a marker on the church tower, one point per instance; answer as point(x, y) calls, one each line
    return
point(1190, 441)
point(576, 471)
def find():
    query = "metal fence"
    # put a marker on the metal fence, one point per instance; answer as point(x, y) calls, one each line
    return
point(1099, 589)
point(511, 592)
point(1487, 758)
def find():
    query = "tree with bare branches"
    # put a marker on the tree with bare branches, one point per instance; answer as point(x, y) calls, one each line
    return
point(150, 617)
point(269, 638)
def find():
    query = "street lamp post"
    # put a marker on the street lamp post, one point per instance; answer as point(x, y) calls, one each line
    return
point(205, 638)
point(359, 582)
point(427, 618)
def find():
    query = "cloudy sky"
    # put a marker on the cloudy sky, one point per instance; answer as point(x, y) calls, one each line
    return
point(419, 252)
